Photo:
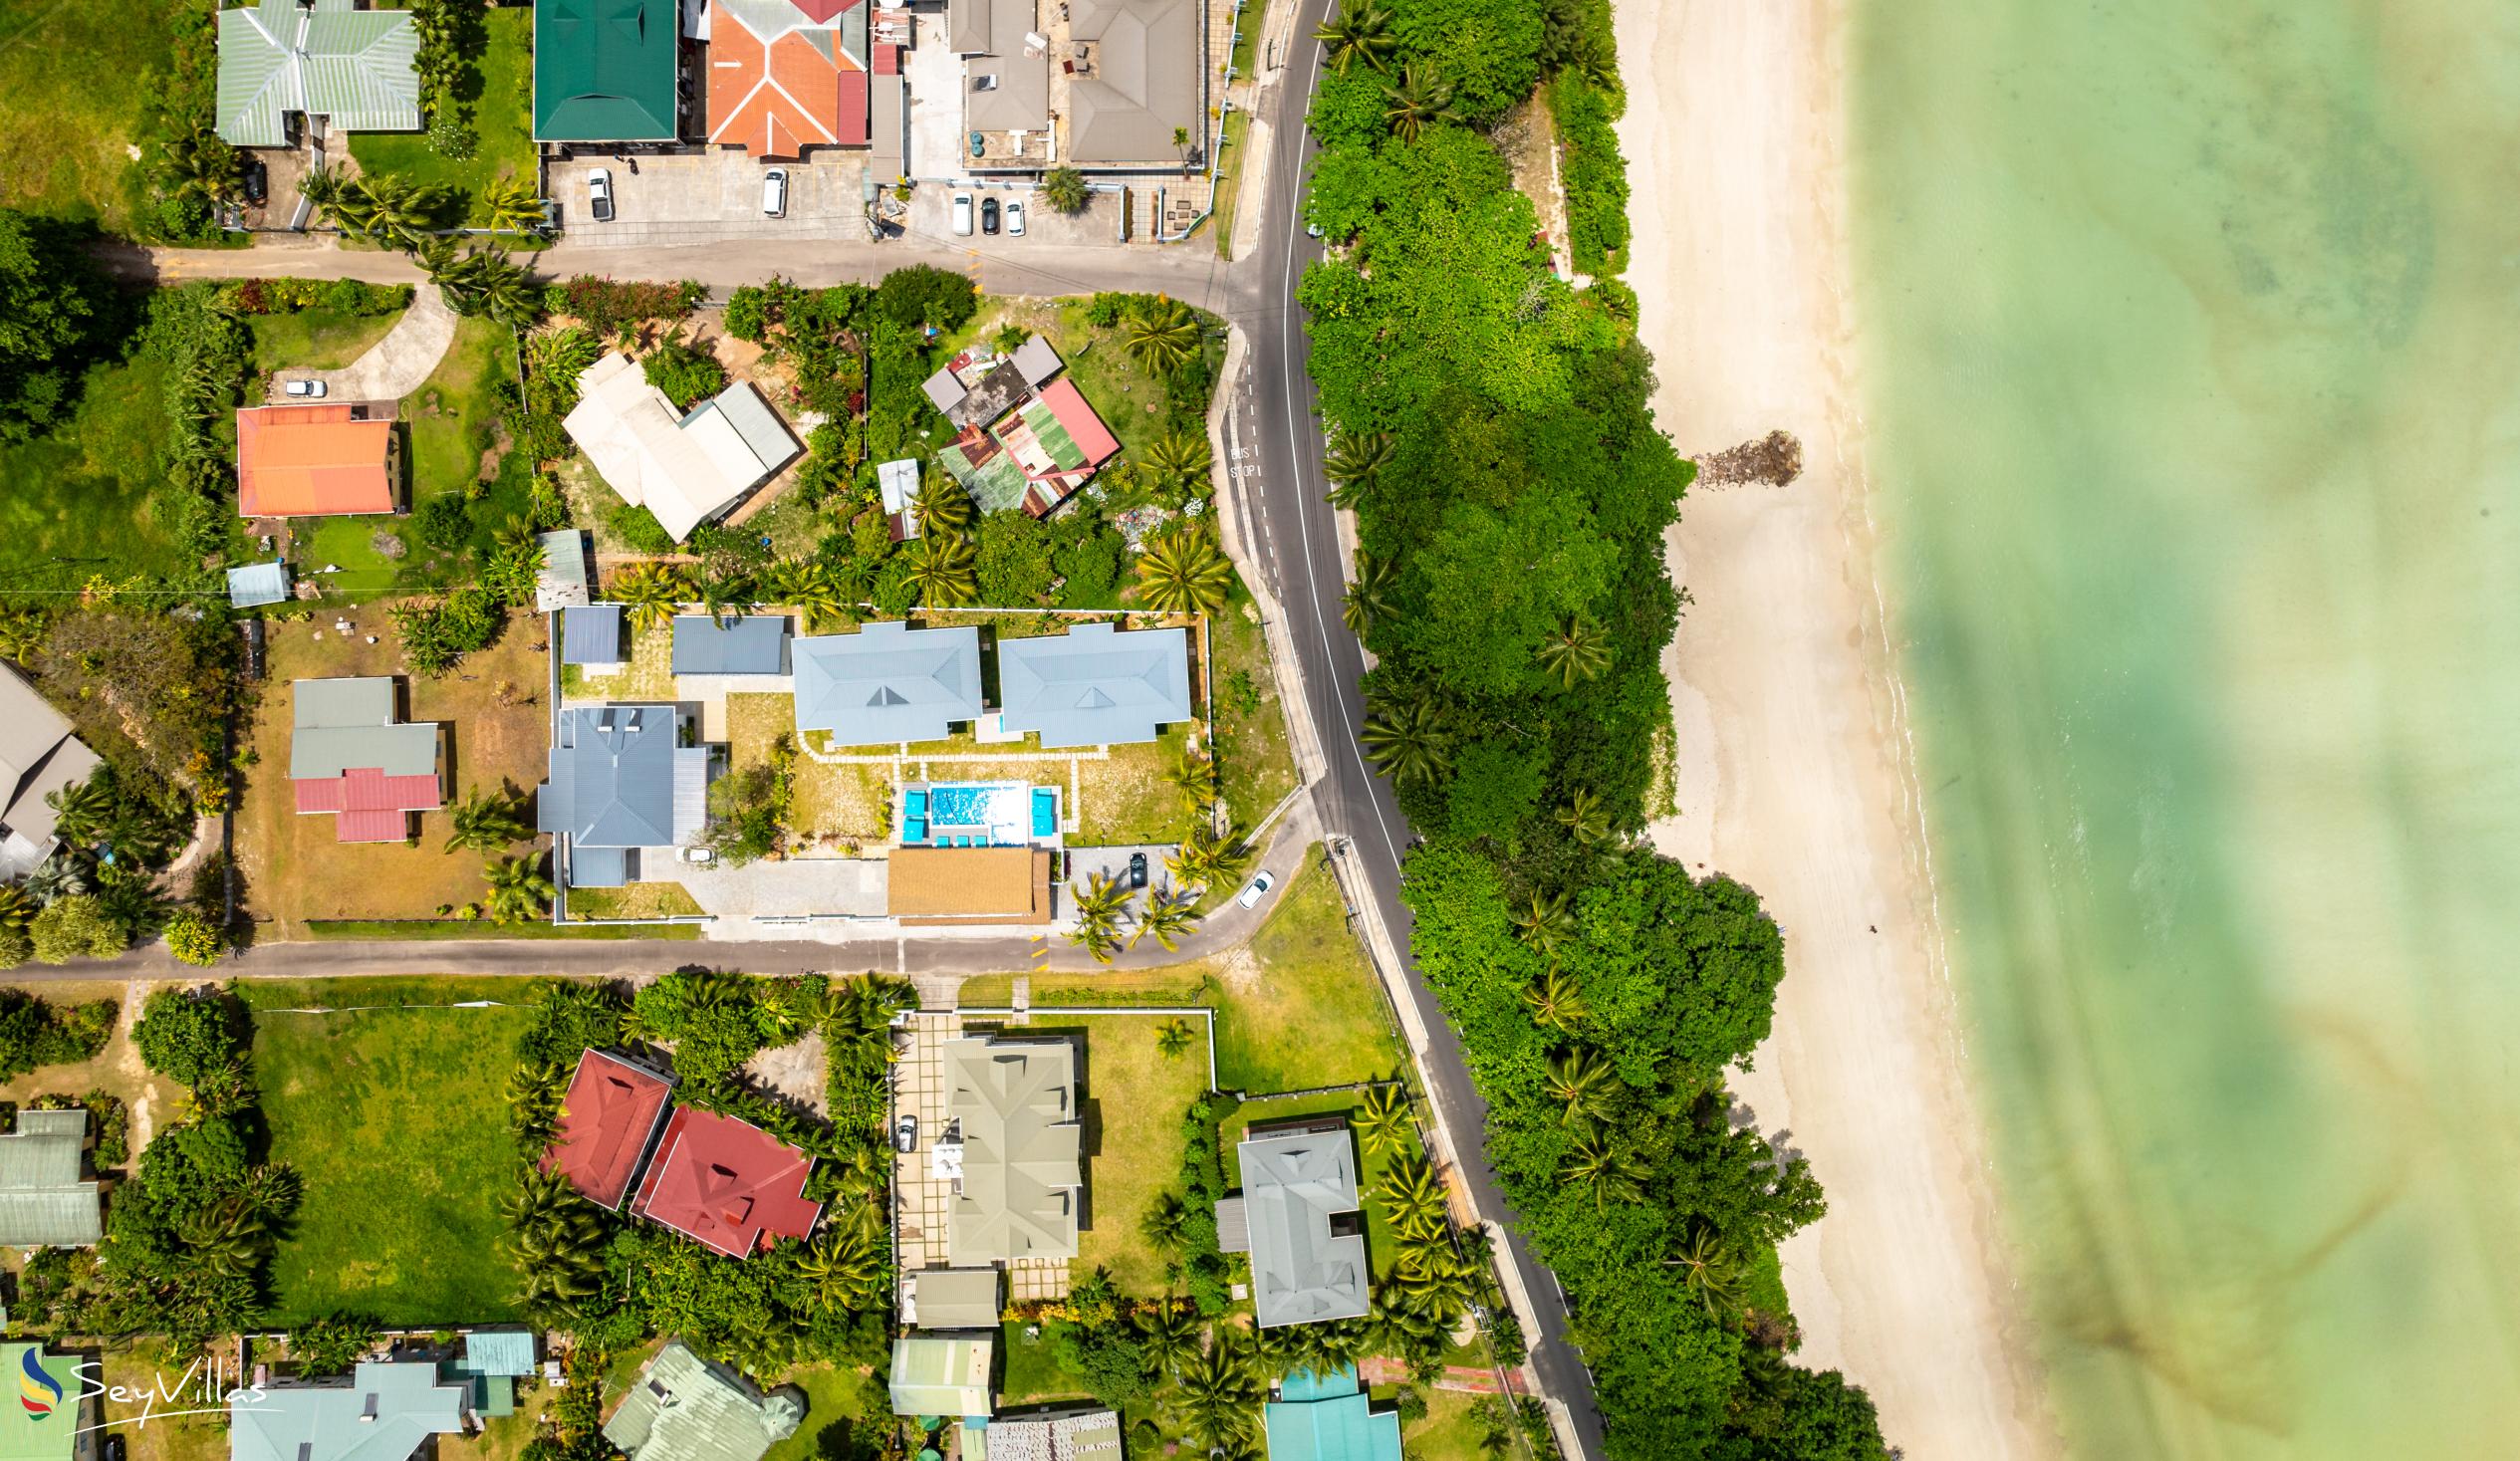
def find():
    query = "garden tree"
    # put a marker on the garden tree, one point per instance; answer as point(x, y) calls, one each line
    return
point(942, 571)
point(485, 822)
point(1162, 335)
point(1410, 739)
point(331, 1345)
point(924, 295)
point(716, 1021)
point(1183, 570)
point(185, 1035)
point(52, 318)
point(1384, 1120)
point(1497, 784)
point(193, 938)
point(520, 888)
point(1013, 561)
point(942, 505)
point(1486, 51)
point(651, 592)
point(686, 373)
point(1358, 30)
point(75, 928)
point(1790, 1414)
point(1418, 101)
point(1062, 188)
point(1555, 1001)
point(1674, 967)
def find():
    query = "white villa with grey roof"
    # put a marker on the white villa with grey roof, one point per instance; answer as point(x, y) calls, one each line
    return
point(888, 683)
point(1019, 1161)
point(38, 757)
point(1095, 686)
point(624, 789)
point(330, 62)
point(1299, 1218)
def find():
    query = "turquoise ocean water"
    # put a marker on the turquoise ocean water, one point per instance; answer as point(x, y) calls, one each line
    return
point(2191, 347)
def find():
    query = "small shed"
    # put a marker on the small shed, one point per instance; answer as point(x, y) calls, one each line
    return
point(1037, 361)
point(562, 582)
point(942, 1375)
point(953, 1298)
point(751, 644)
point(253, 585)
point(591, 634)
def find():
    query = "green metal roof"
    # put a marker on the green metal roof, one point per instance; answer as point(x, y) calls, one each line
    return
point(1328, 1418)
point(939, 1375)
point(43, 1200)
point(498, 1351)
point(44, 1423)
point(684, 1408)
point(604, 71)
point(352, 66)
point(383, 1412)
point(996, 484)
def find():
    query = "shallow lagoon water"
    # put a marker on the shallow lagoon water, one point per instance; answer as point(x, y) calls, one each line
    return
point(2191, 370)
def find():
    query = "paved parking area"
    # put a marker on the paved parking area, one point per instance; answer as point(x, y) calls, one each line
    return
point(1084, 862)
point(705, 197)
point(932, 218)
point(848, 887)
point(923, 1203)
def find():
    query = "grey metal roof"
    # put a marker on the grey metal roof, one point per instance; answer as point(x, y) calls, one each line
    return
point(1292, 1184)
point(591, 634)
point(945, 391)
point(1017, 97)
point(887, 682)
point(956, 1298)
point(352, 66)
point(967, 25)
point(343, 724)
point(1149, 69)
point(758, 424)
point(999, 391)
point(1094, 687)
point(38, 756)
point(686, 1409)
point(1037, 361)
point(1022, 1149)
point(613, 776)
point(887, 117)
point(43, 1200)
point(1066, 1435)
point(599, 867)
point(561, 584)
point(253, 585)
point(384, 1412)
point(1233, 1226)
point(752, 644)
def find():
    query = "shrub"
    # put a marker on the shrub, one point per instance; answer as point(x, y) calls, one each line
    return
point(34, 1033)
point(688, 375)
point(112, 1121)
point(184, 1034)
point(926, 295)
point(193, 939)
point(73, 927)
point(453, 137)
point(748, 312)
point(331, 1345)
point(445, 521)
point(638, 529)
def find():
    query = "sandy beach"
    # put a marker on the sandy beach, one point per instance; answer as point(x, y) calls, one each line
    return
point(1794, 772)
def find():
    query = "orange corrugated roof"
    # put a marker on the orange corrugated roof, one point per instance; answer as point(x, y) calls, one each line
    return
point(311, 461)
point(776, 100)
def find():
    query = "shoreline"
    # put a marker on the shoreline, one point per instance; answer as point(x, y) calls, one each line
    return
point(1795, 772)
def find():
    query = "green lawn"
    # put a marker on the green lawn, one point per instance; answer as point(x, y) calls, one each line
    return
point(1134, 1097)
point(1254, 765)
point(315, 340)
point(454, 414)
point(76, 77)
point(501, 115)
point(395, 1120)
point(1452, 1430)
point(1314, 1015)
point(1033, 1371)
point(76, 503)
point(847, 1416)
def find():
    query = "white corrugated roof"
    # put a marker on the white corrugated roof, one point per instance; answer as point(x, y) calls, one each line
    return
point(685, 470)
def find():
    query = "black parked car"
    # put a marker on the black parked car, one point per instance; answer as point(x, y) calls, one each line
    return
point(988, 215)
point(1136, 869)
point(257, 181)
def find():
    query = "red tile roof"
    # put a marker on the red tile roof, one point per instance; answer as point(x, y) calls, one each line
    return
point(776, 100)
point(726, 1183)
point(1092, 436)
point(311, 461)
point(606, 1121)
point(374, 807)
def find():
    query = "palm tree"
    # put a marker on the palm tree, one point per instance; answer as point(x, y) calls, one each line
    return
point(1555, 1000)
point(1167, 915)
point(486, 822)
point(943, 505)
point(943, 569)
point(1062, 188)
point(271, 1191)
point(1354, 460)
point(1359, 31)
point(1394, 1329)
point(1547, 923)
point(1710, 1270)
point(1098, 907)
point(725, 599)
point(1384, 1120)
point(519, 889)
point(1593, 1164)
point(512, 203)
point(533, 1092)
point(1581, 1081)
point(1207, 858)
point(844, 1265)
point(227, 1238)
point(1168, 1336)
point(17, 907)
point(1410, 740)
point(1368, 600)
point(1179, 460)
point(21, 636)
point(1415, 1196)
point(1173, 1039)
point(1420, 101)
point(1165, 1223)
point(1183, 571)
point(651, 591)
point(1585, 818)
point(1193, 775)
point(1218, 1394)
point(1578, 652)
point(1162, 335)
point(84, 811)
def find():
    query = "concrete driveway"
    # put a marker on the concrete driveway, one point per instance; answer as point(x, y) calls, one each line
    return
point(393, 367)
point(705, 197)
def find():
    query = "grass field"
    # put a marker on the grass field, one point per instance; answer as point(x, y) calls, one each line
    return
point(1451, 1431)
point(1033, 1375)
point(315, 340)
point(136, 1367)
point(845, 801)
point(846, 1414)
point(500, 115)
point(76, 77)
point(1255, 767)
point(295, 869)
point(396, 1122)
point(76, 503)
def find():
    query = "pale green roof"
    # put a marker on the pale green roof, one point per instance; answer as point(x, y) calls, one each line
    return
point(381, 1413)
point(43, 1425)
point(685, 1408)
point(44, 1202)
point(940, 1375)
point(353, 66)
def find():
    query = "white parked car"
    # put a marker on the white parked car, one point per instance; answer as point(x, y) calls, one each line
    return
point(962, 215)
point(1015, 218)
point(1258, 889)
point(774, 192)
point(599, 195)
point(308, 389)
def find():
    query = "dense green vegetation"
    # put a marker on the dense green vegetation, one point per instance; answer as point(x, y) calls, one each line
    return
point(1492, 431)
point(35, 1032)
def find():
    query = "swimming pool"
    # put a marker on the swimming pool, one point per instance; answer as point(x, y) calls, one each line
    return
point(1009, 814)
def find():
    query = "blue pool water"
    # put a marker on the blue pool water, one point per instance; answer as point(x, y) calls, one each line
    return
point(1007, 813)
